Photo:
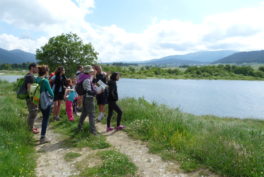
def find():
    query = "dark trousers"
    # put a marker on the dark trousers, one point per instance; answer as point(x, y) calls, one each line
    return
point(45, 120)
point(88, 110)
point(112, 106)
point(32, 113)
point(74, 106)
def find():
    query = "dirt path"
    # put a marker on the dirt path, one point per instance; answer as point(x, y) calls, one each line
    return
point(51, 156)
point(149, 165)
point(51, 162)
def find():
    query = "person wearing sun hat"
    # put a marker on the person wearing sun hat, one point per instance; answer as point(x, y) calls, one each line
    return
point(88, 98)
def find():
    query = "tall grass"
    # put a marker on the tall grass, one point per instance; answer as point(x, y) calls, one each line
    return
point(77, 138)
point(17, 155)
point(230, 147)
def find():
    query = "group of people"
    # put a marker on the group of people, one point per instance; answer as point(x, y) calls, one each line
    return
point(62, 89)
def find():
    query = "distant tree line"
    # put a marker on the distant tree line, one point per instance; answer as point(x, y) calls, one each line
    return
point(210, 71)
point(224, 70)
point(23, 66)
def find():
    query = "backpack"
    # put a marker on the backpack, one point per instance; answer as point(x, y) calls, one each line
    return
point(21, 89)
point(35, 92)
point(79, 88)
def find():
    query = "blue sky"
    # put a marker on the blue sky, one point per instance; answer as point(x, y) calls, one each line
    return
point(122, 30)
point(136, 15)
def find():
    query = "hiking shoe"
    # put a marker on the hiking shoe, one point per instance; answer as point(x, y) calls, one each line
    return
point(35, 130)
point(95, 133)
point(79, 109)
point(109, 129)
point(44, 140)
point(57, 118)
point(120, 127)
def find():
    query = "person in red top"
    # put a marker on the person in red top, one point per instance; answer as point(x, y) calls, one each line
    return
point(50, 76)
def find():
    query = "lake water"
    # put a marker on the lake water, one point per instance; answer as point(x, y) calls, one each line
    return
point(241, 99)
point(9, 78)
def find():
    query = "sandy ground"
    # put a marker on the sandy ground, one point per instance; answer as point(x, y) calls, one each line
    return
point(51, 161)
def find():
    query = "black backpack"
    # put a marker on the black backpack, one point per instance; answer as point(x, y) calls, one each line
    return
point(79, 88)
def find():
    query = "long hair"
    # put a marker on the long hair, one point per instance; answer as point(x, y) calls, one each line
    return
point(59, 70)
point(114, 75)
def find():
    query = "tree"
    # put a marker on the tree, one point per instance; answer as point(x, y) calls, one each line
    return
point(261, 68)
point(6, 67)
point(66, 50)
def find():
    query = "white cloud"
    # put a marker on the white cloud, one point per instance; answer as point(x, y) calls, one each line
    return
point(238, 30)
point(10, 42)
point(25, 13)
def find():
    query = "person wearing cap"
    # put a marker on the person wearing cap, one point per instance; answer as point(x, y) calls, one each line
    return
point(88, 98)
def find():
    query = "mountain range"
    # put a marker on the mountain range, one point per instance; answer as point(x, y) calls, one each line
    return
point(243, 57)
point(197, 58)
point(15, 56)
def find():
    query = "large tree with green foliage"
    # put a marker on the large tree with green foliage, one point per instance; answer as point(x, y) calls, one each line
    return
point(66, 50)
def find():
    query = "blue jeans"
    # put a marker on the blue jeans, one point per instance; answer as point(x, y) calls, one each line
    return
point(45, 120)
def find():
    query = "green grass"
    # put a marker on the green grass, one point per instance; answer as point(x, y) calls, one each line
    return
point(71, 156)
point(17, 154)
point(78, 138)
point(231, 147)
point(113, 164)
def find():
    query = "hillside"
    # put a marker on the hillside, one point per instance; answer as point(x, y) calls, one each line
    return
point(244, 57)
point(15, 56)
point(203, 57)
point(171, 61)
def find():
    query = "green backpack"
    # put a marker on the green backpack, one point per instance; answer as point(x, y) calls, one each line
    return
point(21, 89)
point(34, 92)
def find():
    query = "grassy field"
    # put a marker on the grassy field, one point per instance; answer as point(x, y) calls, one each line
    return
point(230, 147)
point(17, 154)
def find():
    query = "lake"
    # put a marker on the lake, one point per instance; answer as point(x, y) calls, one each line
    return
point(9, 78)
point(225, 98)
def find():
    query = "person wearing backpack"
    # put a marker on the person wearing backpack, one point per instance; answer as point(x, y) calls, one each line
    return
point(78, 100)
point(32, 108)
point(88, 98)
point(44, 87)
point(112, 106)
point(59, 86)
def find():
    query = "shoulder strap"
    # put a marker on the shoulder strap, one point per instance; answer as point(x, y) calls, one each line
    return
point(40, 83)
